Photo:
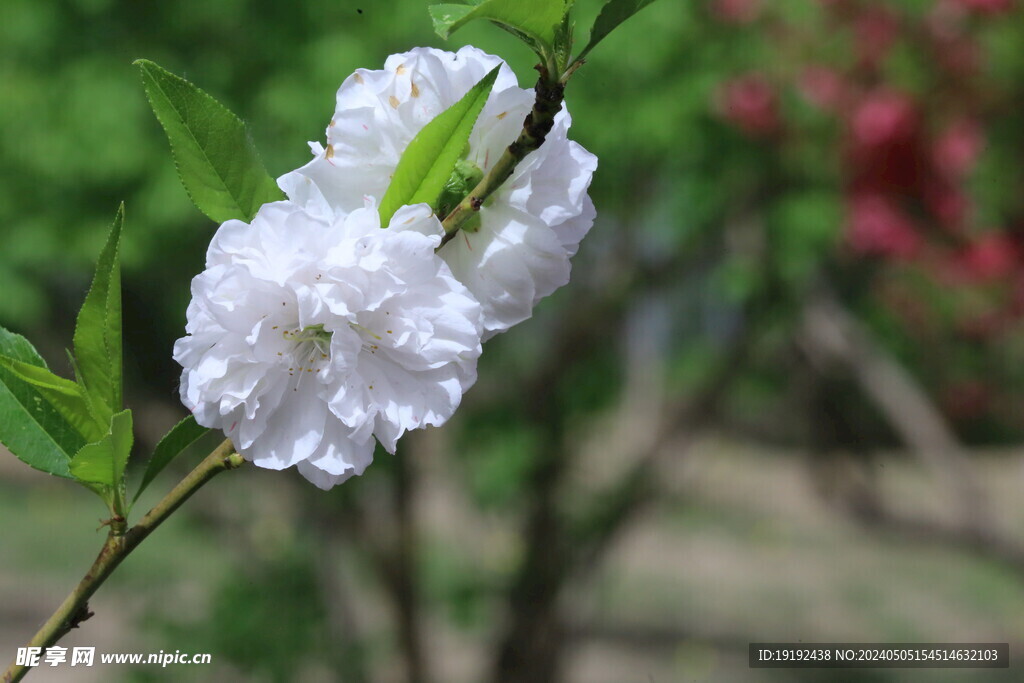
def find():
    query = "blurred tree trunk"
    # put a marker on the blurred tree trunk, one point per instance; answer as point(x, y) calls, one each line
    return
point(402, 576)
point(533, 642)
point(530, 648)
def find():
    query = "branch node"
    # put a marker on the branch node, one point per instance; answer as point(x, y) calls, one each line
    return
point(83, 614)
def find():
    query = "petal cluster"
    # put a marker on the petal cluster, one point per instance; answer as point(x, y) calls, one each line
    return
point(314, 332)
point(310, 334)
point(528, 230)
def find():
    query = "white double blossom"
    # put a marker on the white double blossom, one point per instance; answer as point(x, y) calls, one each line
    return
point(528, 230)
point(313, 330)
point(310, 334)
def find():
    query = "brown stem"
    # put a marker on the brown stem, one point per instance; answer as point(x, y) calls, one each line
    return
point(405, 589)
point(538, 123)
point(531, 644)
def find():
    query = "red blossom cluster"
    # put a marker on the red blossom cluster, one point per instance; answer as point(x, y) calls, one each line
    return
point(907, 151)
point(751, 103)
point(906, 157)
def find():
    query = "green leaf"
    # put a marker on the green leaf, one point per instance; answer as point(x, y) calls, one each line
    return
point(428, 161)
point(98, 330)
point(181, 436)
point(537, 19)
point(216, 160)
point(612, 14)
point(448, 18)
point(100, 465)
point(29, 426)
point(563, 43)
point(63, 395)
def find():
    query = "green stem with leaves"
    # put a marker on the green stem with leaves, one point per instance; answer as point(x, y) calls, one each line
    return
point(550, 90)
point(120, 542)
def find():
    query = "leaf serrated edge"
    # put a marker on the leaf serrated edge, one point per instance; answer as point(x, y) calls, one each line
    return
point(42, 429)
point(114, 262)
point(175, 152)
point(142, 63)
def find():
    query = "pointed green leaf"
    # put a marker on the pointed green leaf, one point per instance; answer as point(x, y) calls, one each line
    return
point(428, 161)
point(448, 18)
point(102, 463)
point(29, 426)
point(98, 330)
point(181, 436)
point(612, 14)
point(63, 395)
point(563, 43)
point(216, 160)
point(537, 19)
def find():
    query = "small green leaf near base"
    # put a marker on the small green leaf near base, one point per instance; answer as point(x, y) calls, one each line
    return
point(100, 465)
point(181, 436)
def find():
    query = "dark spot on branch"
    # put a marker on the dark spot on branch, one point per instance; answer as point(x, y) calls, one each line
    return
point(83, 614)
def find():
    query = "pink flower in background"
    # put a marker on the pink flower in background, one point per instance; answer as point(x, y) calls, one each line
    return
point(958, 147)
point(736, 11)
point(876, 226)
point(992, 257)
point(947, 202)
point(822, 87)
point(884, 118)
point(884, 145)
point(750, 102)
point(876, 31)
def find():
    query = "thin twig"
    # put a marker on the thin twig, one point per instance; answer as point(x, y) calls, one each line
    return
point(75, 608)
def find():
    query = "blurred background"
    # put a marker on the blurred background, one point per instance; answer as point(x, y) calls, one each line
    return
point(781, 399)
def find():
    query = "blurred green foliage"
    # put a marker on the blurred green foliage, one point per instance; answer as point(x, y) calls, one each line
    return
point(675, 176)
point(731, 215)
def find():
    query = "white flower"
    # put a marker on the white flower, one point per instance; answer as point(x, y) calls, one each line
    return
point(309, 335)
point(529, 228)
